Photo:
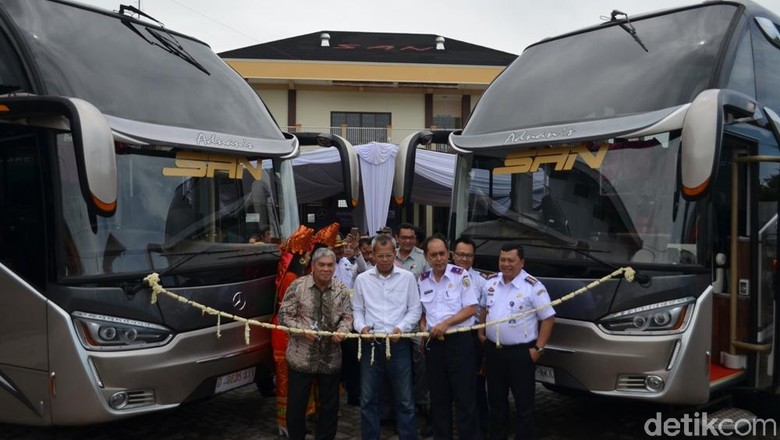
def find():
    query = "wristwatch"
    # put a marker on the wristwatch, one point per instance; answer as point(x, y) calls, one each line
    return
point(538, 350)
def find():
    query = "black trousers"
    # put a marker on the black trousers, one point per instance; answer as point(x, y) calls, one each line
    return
point(450, 366)
point(298, 388)
point(483, 415)
point(350, 370)
point(510, 368)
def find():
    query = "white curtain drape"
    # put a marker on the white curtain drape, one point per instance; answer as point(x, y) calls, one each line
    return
point(377, 169)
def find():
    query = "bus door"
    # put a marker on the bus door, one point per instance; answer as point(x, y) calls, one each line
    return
point(24, 381)
point(755, 190)
point(767, 198)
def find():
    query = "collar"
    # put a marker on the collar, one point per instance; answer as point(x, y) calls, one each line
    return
point(516, 281)
point(375, 272)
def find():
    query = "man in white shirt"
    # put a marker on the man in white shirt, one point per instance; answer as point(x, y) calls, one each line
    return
point(343, 271)
point(511, 365)
point(449, 301)
point(386, 300)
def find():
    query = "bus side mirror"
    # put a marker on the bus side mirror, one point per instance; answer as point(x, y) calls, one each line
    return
point(403, 179)
point(702, 136)
point(93, 141)
point(350, 167)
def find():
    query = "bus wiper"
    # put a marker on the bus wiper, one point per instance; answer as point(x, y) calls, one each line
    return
point(188, 256)
point(172, 45)
point(643, 279)
point(519, 240)
point(627, 26)
point(166, 42)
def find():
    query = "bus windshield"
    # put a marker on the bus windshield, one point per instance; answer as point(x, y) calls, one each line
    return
point(177, 210)
point(111, 61)
point(605, 73)
point(617, 200)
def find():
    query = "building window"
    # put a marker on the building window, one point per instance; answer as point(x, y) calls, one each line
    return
point(446, 122)
point(360, 128)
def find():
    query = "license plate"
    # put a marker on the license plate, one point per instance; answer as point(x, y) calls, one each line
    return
point(234, 380)
point(545, 374)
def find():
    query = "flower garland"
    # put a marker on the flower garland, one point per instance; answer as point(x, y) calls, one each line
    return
point(153, 280)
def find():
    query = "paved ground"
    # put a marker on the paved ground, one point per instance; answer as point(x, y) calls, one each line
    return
point(243, 414)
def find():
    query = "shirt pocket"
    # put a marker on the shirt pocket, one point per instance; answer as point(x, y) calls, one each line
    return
point(452, 301)
point(426, 296)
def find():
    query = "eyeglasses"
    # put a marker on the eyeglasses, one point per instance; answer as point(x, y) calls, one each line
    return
point(464, 255)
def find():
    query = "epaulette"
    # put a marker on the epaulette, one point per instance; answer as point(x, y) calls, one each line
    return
point(425, 275)
point(531, 280)
point(488, 276)
point(456, 269)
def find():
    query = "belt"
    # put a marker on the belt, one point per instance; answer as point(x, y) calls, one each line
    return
point(525, 345)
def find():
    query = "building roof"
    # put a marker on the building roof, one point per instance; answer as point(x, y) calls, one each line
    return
point(373, 47)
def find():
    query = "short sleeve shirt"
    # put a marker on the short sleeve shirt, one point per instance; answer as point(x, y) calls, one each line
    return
point(503, 300)
point(445, 298)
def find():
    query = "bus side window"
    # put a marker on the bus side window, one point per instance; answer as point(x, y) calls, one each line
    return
point(22, 230)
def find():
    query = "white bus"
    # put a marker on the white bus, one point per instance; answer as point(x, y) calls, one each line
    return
point(127, 149)
point(652, 142)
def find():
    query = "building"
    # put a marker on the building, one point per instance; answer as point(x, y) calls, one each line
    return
point(368, 87)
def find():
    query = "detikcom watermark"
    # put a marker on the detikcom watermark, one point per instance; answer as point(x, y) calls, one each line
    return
point(701, 425)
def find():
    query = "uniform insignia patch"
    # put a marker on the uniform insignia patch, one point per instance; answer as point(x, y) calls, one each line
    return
point(466, 281)
point(457, 270)
point(425, 275)
point(428, 291)
point(491, 289)
point(539, 293)
point(450, 286)
point(531, 280)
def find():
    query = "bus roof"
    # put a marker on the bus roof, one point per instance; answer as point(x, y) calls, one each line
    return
point(153, 85)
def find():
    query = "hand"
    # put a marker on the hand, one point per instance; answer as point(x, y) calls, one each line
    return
point(482, 338)
point(364, 331)
point(338, 337)
point(534, 354)
point(396, 331)
point(438, 330)
point(310, 337)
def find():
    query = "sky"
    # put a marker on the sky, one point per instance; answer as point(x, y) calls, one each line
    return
point(507, 25)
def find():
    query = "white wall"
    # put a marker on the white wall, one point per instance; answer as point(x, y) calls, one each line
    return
point(314, 106)
point(407, 109)
point(276, 101)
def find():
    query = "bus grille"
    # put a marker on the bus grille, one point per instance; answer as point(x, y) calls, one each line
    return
point(138, 398)
point(631, 383)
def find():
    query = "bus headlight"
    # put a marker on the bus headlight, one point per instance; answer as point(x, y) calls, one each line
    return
point(660, 318)
point(102, 332)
